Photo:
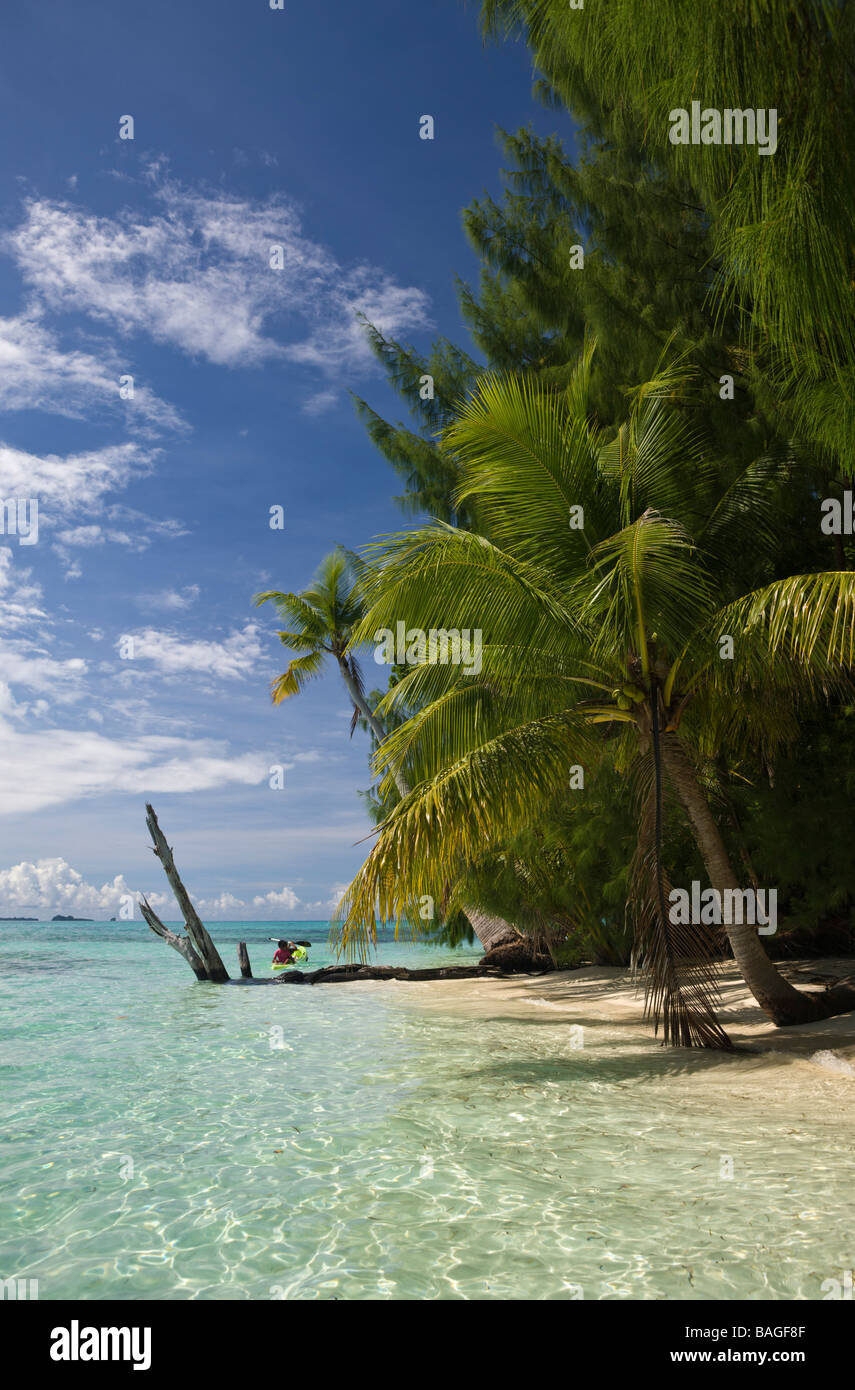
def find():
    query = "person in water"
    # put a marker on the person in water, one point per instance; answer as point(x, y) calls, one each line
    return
point(284, 953)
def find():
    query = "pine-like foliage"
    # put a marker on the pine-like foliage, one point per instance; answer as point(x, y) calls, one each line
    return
point(783, 224)
point(642, 286)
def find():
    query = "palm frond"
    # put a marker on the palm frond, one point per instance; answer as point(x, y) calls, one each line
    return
point(299, 671)
point(679, 961)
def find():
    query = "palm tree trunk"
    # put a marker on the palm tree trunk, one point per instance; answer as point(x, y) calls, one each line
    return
point(783, 1003)
point(370, 718)
point(490, 931)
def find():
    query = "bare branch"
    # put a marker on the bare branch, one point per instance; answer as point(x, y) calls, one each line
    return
point(181, 944)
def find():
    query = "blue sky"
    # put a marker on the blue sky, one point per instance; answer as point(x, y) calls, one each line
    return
point(150, 258)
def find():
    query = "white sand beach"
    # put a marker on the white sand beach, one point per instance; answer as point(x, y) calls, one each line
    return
point(813, 1063)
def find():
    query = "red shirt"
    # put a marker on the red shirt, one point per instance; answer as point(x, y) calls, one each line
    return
point(282, 956)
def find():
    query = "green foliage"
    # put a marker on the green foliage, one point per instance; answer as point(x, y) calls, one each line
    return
point(429, 473)
point(782, 225)
point(570, 954)
point(585, 627)
point(719, 260)
point(648, 270)
point(321, 622)
point(797, 830)
point(564, 878)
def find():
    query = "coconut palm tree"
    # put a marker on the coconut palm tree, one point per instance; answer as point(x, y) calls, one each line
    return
point(322, 618)
point(615, 623)
point(321, 621)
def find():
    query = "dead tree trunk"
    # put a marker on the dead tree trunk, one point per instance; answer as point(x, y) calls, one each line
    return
point(202, 953)
point(243, 961)
point(181, 944)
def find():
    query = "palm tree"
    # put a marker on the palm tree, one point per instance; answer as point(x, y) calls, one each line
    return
point(322, 619)
point(604, 585)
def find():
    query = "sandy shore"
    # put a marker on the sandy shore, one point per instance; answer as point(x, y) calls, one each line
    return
point(812, 1060)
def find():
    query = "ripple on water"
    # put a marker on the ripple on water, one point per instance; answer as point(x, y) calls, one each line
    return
point(168, 1144)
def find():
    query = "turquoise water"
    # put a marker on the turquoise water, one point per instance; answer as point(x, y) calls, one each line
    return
point(168, 1139)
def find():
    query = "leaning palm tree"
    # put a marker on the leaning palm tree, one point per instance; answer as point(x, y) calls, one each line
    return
point(321, 621)
point(607, 588)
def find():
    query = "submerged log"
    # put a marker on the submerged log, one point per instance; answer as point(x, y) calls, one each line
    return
point(204, 949)
point(337, 974)
point(243, 961)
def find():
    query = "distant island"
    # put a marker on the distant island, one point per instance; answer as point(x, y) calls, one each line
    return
point(59, 918)
point(19, 919)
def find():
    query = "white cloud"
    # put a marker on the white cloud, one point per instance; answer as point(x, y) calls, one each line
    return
point(225, 906)
point(50, 767)
point(24, 658)
point(75, 483)
point(337, 892)
point(36, 374)
point(52, 885)
point(232, 658)
point(170, 599)
point(28, 666)
point(82, 535)
point(19, 597)
point(339, 337)
point(320, 402)
point(283, 897)
point(197, 275)
point(48, 886)
point(72, 493)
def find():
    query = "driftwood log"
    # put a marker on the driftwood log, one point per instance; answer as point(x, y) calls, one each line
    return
point(337, 974)
point(204, 959)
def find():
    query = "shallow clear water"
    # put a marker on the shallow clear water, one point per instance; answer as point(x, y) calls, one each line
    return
point(168, 1139)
